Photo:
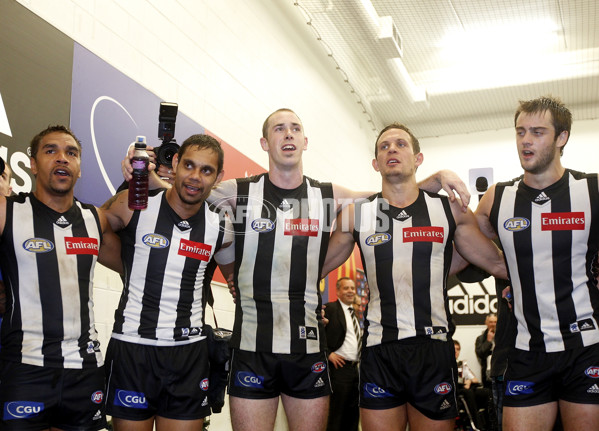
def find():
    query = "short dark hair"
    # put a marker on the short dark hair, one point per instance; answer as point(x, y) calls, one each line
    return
point(415, 143)
point(339, 280)
point(457, 343)
point(265, 124)
point(35, 142)
point(204, 141)
point(560, 115)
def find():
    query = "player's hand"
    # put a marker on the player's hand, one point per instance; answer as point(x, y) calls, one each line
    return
point(336, 360)
point(165, 173)
point(126, 167)
point(507, 295)
point(232, 289)
point(452, 184)
point(325, 321)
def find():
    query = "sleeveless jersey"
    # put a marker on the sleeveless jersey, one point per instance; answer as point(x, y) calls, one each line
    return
point(48, 261)
point(167, 260)
point(406, 255)
point(549, 238)
point(280, 245)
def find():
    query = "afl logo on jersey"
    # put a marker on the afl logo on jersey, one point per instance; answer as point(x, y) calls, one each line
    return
point(516, 224)
point(155, 241)
point(263, 225)
point(38, 245)
point(377, 239)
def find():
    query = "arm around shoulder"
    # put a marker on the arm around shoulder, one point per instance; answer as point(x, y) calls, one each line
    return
point(475, 247)
point(109, 254)
point(342, 242)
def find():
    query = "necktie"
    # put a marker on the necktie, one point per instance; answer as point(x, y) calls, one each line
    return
point(356, 325)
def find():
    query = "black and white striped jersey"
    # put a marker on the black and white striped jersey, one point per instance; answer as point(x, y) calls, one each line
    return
point(280, 245)
point(47, 261)
point(406, 254)
point(549, 238)
point(167, 260)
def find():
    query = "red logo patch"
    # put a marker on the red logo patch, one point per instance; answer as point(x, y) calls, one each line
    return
point(302, 226)
point(195, 250)
point(97, 397)
point(81, 245)
point(423, 234)
point(562, 221)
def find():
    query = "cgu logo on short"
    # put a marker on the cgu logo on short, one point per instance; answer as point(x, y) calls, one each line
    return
point(136, 400)
point(22, 409)
point(373, 391)
point(249, 380)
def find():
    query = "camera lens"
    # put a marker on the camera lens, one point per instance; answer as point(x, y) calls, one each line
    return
point(165, 154)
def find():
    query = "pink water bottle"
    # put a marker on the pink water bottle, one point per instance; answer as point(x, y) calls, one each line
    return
point(138, 185)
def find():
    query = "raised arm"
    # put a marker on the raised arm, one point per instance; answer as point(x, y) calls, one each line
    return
point(451, 183)
point(341, 243)
point(483, 212)
point(475, 247)
point(110, 249)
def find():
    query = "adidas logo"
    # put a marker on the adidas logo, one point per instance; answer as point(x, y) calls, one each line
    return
point(402, 215)
point(445, 405)
point(97, 416)
point(586, 325)
point(184, 224)
point(62, 221)
point(205, 402)
point(319, 383)
point(593, 389)
point(284, 205)
point(542, 197)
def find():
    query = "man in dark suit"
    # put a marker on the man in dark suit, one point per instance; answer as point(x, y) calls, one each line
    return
point(343, 343)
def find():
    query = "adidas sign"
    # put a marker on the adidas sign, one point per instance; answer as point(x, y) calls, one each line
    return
point(319, 383)
point(542, 198)
point(205, 402)
point(97, 416)
point(62, 221)
point(284, 205)
point(183, 224)
point(593, 389)
point(445, 405)
point(402, 215)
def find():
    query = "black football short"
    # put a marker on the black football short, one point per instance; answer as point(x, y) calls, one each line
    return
point(37, 398)
point(415, 371)
point(145, 381)
point(258, 375)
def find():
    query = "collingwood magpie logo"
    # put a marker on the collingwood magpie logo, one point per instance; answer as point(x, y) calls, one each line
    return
point(542, 198)
point(402, 215)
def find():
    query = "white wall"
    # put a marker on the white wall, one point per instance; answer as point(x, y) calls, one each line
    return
point(497, 149)
point(239, 60)
point(236, 62)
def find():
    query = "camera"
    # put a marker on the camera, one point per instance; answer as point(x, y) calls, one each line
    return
point(167, 117)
